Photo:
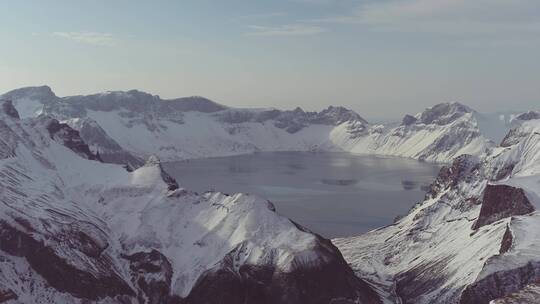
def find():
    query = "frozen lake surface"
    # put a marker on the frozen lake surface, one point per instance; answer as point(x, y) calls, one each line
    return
point(333, 194)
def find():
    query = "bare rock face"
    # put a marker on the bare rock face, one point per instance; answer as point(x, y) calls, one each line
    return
point(408, 120)
point(294, 120)
point(529, 294)
point(328, 282)
point(450, 176)
point(444, 113)
point(9, 109)
point(530, 115)
point(169, 180)
point(70, 138)
point(500, 284)
point(501, 201)
point(59, 272)
point(152, 272)
point(507, 241)
point(109, 150)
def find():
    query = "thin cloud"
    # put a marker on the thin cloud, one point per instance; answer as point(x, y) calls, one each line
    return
point(460, 17)
point(93, 38)
point(262, 16)
point(285, 30)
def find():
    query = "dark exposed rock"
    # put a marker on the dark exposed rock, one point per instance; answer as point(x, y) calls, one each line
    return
point(266, 284)
point(169, 180)
point(9, 109)
point(530, 115)
point(507, 240)
point(152, 272)
point(450, 176)
point(444, 113)
point(195, 103)
point(295, 120)
point(527, 295)
point(70, 138)
point(408, 120)
point(110, 151)
point(58, 272)
point(513, 137)
point(501, 284)
point(501, 201)
point(7, 295)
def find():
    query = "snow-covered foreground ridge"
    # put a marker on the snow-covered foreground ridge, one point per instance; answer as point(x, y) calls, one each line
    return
point(474, 239)
point(127, 127)
point(76, 230)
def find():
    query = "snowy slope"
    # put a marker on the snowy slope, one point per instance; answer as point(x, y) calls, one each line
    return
point(438, 134)
point(73, 229)
point(472, 240)
point(134, 125)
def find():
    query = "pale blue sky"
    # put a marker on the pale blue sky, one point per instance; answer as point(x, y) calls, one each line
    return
point(380, 57)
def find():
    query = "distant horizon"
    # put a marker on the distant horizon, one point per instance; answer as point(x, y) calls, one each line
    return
point(370, 119)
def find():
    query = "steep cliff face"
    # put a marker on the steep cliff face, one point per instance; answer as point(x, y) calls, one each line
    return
point(502, 201)
point(472, 240)
point(75, 230)
point(528, 294)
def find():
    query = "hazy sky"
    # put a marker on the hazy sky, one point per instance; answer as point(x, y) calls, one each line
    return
point(382, 58)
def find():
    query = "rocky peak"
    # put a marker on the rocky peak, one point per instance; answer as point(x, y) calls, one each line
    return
point(337, 115)
point(444, 113)
point(41, 93)
point(196, 104)
point(154, 161)
point(408, 120)
point(450, 176)
point(9, 109)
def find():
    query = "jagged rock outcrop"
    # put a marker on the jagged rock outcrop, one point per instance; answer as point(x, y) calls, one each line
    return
point(502, 201)
point(444, 113)
point(530, 115)
point(501, 284)
point(409, 120)
point(152, 273)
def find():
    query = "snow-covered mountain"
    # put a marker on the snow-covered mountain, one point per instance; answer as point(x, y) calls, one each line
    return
point(127, 127)
point(476, 236)
point(76, 230)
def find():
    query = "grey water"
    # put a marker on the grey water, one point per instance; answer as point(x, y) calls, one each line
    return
point(333, 194)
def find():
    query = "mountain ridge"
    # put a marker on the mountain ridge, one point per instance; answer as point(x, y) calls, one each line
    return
point(183, 128)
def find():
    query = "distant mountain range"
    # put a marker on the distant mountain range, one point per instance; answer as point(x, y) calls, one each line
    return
point(127, 127)
point(77, 227)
